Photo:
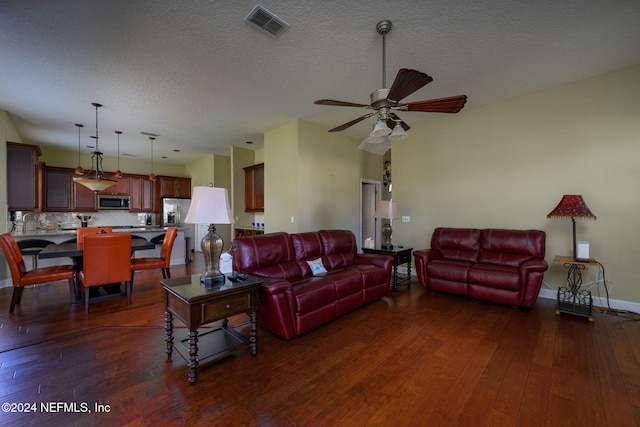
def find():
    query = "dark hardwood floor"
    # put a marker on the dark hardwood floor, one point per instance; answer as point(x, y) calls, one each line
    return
point(414, 358)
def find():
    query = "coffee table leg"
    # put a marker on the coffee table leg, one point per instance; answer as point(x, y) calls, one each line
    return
point(253, 337)
point(168, 336)
point(409, 273)
point(193, 356)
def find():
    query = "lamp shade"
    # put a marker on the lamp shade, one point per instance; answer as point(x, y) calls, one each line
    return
point(380, 129)
point(209, 205)
point(397, 132)
point(572, 206)
point(386, 209)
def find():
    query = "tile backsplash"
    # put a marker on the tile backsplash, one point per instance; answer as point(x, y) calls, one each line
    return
point(51, 220)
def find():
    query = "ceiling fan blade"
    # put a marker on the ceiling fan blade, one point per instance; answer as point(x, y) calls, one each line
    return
point(394, 118)
point(452, 104)
point(407, 81)
point(339, 103)
point(351, 123)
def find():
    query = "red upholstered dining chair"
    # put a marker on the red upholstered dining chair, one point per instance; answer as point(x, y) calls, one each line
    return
point(21, 277)
point(164, 261)
point(81, 232)
point(106, 260)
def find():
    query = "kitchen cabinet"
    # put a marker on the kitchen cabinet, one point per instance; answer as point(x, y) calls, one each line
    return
point(240, 232)
point(142, 192)
point(57, 191)
point(254, 188)
point(84, 199)
point(23, 177)
point(170, 186)
point(62, 194)
point(120, 189)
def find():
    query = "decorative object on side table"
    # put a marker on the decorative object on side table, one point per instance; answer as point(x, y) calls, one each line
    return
point(572, 206)
point(210, 205)
point(386, 209)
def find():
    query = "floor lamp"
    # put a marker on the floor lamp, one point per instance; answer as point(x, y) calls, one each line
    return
point(210, 205)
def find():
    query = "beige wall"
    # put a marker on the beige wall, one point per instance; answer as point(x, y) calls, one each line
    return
point(314, 176)
point(508, 164)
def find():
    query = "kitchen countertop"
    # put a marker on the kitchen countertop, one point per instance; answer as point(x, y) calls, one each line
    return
point(72, 231)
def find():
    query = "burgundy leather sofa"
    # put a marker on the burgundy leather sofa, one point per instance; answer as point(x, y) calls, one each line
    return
point(502, 266)
point(293, 301)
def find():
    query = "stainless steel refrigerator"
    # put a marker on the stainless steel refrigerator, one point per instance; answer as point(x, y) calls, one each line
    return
point(174, 211)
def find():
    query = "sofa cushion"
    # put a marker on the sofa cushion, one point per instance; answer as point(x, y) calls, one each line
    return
point(314, 293)
point(268, 255)
point(307, 247)
point(458, 244)
point(339, 248)
point(511, 247)
point(495, 276)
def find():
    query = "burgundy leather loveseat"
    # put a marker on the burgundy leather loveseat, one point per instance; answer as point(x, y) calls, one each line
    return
point(503, 266)
point(293, 299)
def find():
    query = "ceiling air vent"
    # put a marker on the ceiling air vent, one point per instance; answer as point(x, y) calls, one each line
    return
point(267, 21)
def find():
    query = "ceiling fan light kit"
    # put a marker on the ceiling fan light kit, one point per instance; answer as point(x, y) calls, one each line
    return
point(387, 100)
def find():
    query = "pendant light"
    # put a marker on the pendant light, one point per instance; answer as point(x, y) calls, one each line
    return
point(79, 170)
point(118, 173)
point(96, 180)
point(152, 176)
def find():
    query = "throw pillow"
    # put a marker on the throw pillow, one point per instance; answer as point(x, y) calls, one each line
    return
point(317, 267)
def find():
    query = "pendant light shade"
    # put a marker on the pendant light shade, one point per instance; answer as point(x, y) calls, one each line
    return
point(397, 132)
point(380, 129)
point(118, 173)
point(79, 170)
point(95, 180)
point(152, 176)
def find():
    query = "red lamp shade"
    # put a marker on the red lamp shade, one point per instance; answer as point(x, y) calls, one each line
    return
point(572, 206)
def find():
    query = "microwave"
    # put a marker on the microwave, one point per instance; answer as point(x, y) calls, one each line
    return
point(113, 202)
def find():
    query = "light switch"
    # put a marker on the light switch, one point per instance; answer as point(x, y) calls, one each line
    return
point(406, 219)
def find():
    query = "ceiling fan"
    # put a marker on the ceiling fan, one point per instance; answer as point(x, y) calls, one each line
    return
point(385, 101)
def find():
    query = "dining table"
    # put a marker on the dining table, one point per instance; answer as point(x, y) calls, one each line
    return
point(75, 251)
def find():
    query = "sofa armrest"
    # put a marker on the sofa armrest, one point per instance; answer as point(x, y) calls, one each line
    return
point(276, 310)
point(422, 258)
point(272, 286)
point(531, 275)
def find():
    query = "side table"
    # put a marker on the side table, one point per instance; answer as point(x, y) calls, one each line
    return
point(196, 305)
point(400, 256)
point(572, 300)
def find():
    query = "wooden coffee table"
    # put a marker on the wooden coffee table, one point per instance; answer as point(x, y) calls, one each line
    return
point(196, 306)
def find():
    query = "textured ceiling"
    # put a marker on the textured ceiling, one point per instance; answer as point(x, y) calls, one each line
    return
point(196, 74)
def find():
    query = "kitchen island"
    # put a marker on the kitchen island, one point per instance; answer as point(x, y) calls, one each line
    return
point(178, 255)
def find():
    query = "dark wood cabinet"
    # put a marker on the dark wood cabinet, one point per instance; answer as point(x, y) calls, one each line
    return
point(22, 177)
point(239, 232)
point(62, 194)
point(254, 188)
point(84, 199)
point(120, 189)
point(170, 186)
point(142, 192)
point(57, 189)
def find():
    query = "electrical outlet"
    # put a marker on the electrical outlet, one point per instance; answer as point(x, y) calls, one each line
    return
point(406, 218)
point(600, 277)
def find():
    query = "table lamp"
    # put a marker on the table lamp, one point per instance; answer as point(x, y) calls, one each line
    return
point(386, 209)
point(210, 205)
point(572, 206)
